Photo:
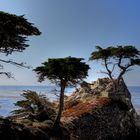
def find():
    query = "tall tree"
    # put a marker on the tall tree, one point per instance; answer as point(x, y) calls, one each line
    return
point(14, 31)
point(123, 57)
point(63, 72)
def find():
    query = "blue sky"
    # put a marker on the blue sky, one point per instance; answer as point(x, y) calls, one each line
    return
point(73, 28)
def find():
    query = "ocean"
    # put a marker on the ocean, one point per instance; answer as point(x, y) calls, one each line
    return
point(11, 94)
point(135, 92)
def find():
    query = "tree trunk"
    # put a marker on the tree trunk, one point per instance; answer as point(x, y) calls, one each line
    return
point(61, 107)
point(109, 72)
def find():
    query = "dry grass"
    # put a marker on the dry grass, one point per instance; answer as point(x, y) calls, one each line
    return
point(79, 108)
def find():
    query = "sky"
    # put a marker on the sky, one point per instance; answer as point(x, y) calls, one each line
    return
point(73, 28)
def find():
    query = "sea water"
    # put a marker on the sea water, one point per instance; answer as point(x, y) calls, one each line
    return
point(11, 94)
point(135, 93)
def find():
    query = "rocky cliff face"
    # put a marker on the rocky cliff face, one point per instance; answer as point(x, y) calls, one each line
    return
point(100, 111)
point(103, 88)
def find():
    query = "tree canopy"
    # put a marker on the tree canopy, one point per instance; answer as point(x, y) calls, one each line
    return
point(123, 57)
point(14, 31)
point(64, 72)
point(70, 70)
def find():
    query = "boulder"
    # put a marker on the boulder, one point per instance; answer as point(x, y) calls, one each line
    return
point(101, 110)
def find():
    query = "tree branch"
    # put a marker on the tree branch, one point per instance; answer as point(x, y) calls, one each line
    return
point(124, 70)
point(108, 71)
point(119, 63)
point(113, 68)
point(8, 74)
point(55, 92)
point(104, 72)
point(1, 66)
point(15, 63)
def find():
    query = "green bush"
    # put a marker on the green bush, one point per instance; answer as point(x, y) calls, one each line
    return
point(35, 106)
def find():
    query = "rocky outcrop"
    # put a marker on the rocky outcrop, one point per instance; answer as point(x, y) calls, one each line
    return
point(101, 110)
point(103, 88)
point(10, 130)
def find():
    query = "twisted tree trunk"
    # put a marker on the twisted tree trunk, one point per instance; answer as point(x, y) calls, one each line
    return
point(61, 106)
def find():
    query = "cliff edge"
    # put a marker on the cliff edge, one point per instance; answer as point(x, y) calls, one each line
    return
point(101, 111)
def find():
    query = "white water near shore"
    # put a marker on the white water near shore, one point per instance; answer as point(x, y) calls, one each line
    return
point(10, 94)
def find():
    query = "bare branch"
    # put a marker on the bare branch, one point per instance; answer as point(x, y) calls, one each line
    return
point(124, 70)
point(128, 70)
point(108, 63)
point(108, 70)
point(15, 63)
point(113, 68)
point(119, 63)
point(104, 72)
point(56, 94)
point(1, 66)
point(8, 74)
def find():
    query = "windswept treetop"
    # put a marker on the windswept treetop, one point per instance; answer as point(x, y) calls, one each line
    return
point(101, 53)
point(14, 31)
point(122, 56)
point(115, 52)
point(69, 69)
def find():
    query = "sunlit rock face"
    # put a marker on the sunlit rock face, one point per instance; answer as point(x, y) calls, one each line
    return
point(101, 110)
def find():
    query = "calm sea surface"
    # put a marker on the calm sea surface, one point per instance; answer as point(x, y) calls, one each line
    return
point(10, 94)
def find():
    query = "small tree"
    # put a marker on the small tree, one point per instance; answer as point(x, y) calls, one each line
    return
point(13, 35)
point(34, 106)
point(63, 72)
point(123, 57)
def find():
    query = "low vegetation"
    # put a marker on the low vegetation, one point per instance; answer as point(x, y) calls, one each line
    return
point(35, 106)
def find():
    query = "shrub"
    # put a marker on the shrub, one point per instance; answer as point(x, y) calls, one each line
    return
point(34, 106)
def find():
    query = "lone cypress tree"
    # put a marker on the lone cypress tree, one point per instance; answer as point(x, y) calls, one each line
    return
point(14, 31)
point(123, 57)
point(63, 72)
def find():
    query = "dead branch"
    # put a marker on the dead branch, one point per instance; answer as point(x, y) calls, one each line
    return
point(15, 63)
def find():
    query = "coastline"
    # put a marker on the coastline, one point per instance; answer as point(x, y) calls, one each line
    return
point(12, 93)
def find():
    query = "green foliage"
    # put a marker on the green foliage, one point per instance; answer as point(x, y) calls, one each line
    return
point(125, 52)
point(70, 69)
point(101, 53)
point(124, 56)
point(14, 31)
point(115, 52)
point(35, 106)
point(64, 72)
